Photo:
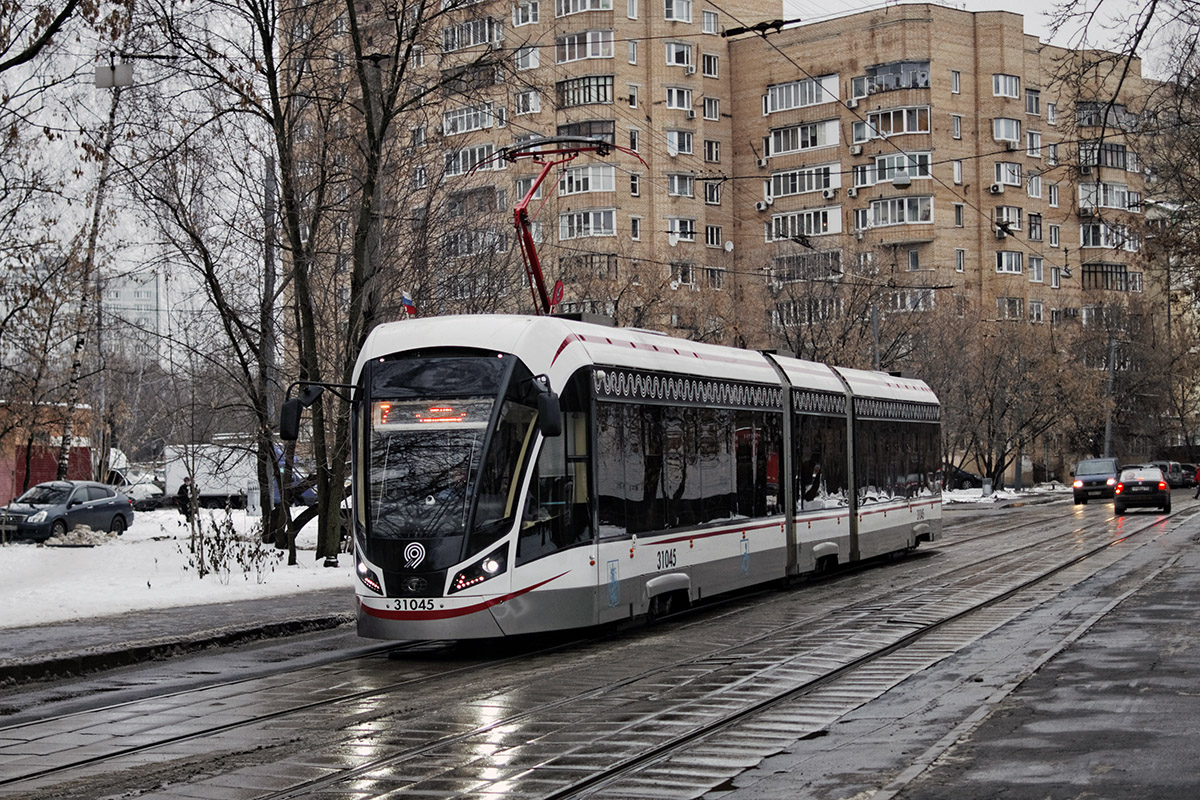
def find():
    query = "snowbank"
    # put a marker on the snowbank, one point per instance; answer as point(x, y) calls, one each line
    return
point(149, 566)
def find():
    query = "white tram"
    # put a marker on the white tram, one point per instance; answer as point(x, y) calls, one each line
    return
point(667, 471)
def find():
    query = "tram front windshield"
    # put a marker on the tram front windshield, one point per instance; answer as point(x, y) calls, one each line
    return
point(435, 470)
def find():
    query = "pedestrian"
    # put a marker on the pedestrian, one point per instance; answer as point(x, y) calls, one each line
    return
point(1197, 495)
point(184, 498)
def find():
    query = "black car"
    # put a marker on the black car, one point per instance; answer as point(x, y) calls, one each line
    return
point(1094, 477)
point(957, 478)
point(1142, 486)
point(53, 508)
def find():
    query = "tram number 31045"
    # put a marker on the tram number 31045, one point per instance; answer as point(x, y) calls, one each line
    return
point(666, 559)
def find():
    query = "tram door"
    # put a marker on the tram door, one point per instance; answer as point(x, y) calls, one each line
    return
point(557, 521)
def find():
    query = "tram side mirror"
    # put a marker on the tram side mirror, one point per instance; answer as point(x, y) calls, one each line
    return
point(289, 420)
point(289, 415)
point(549, 414)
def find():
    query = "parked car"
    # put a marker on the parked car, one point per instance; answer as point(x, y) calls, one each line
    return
point(1189, 475)
point(1173, 470)
point(957, 478)
point(1142, 486)
point(1094, 477)
point(53, 508)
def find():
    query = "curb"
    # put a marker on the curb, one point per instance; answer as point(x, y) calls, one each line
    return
point(14, 672)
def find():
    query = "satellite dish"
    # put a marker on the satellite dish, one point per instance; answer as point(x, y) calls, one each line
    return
point(673, 239)
point(674, 284)
point(729, 246)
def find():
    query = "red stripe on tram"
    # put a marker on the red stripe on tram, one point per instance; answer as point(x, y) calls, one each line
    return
point(447, 613)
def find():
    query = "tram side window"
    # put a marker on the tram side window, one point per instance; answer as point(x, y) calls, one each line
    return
point(611, 453)
point(895, 460)
point(718, 469)
point(682, 466)
point(820, 444)
point(556, 514)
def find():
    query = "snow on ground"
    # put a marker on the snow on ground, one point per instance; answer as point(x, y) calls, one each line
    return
point(148, 567)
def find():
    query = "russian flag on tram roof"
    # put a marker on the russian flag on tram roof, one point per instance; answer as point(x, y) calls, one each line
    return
point(407, 303)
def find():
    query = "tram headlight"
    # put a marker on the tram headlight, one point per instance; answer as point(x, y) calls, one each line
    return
point(491, 565)
point(368, 577)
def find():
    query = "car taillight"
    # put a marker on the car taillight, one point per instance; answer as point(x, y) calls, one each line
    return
point(1120, 487)
point(1162, 486)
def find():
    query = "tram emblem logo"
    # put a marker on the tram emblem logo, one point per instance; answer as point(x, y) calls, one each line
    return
point(414, 554)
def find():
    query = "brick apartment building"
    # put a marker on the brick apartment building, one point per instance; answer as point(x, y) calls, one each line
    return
point(916, 139)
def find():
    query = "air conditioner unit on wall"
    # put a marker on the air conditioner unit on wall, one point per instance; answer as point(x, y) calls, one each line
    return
point(996, 188)
point(856, 149)
point(852, 192)
point(852, 102)
point(762, 162)
point(691, 113)
point(762, 205)
point(690, 69)
point(1009, 144)
point(1000, 233)
point(829, 194)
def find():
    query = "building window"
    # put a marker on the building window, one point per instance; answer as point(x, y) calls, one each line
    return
point(633, 96)
point(590, 178)
point(960, 260)
point(527, 57)
point(1035, 185)
point(914, 260)
point(708, 22)
point(959, 213)
point(528, 102)
point(712, 108)
point(582, 224)
point(677, 10)
point(631, 9)
point(712, 193)
point(1033, 102)
point(633, 52)
point(683, 228)
point(525, 13)
point(957, 167)
point(1055, 281)
point(1035, 227)
point(679, 54)
point(564, 8)
point(680, 185)
point(708, 65)
point(715, 276)
point(901, 211)
point(1036, 268)
point(635, 185)
point(800, 181)
point(588, 90)
point(1010, 262)
point(635, 228)
point(795, 138)
point(633, 139)
point(1053, 235)
point(1052, 113)
point(1006, 85)
point(898, 121)
point(956, 125)
point(1008, 173)
point(712, 151)
point(679, 142)
point(1008, 218)
point(1005, 129)
point(955, 81)
point(712, 236)
point(580, 46)
point(1035, 311)
point(1010, 308)
point(1033, 144)
point(795, 94)
point(679, 98)
point(1052, 195)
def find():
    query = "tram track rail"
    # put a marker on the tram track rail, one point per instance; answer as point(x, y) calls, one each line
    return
point(808, 626)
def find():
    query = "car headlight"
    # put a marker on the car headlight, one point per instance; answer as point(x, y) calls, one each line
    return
point(38, 517)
